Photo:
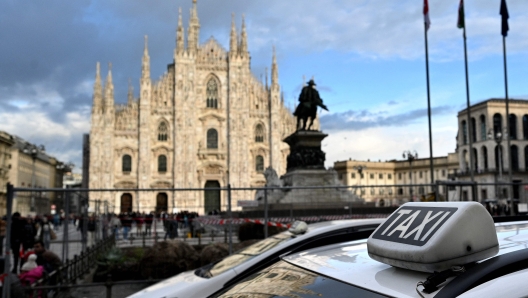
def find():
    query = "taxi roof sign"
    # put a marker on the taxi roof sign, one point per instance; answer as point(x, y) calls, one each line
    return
point(434, 236)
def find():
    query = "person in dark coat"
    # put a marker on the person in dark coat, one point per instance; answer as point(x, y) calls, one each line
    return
point(30, 231)
point(17, 237)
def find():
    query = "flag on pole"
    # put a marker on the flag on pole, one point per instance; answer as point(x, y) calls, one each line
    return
point(427, 21)
point(461, 22)
point(505, 16)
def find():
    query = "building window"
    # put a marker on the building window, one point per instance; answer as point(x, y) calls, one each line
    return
point(259, 134)
point(381, 176)
point(162, 163)
point(464, 132)
point(399, 176)
point(363, 191)
point(340, 176)
point(525, 126)
point(212, 139)
point(513, 127)
point(473, 130)
point(526, 158)
point(127, 163)
point(362, 175)
point(390, 191)
point(514, 151)
point(497, 123)
point(410, 175)
point(163, 132)
point(353, 175)
point(485, 157)
point(443, 173)
point(372, 191)
point(212, 94)
point(389, 176)
point(371, 176)
point(259, 164)
point(381, 191)
point(421, 190)
point(421, 174)
point(400, 191)
point(483, 132)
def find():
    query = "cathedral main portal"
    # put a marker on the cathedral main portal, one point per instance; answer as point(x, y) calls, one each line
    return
point(162, 202)
point(126, 202)
point(212, 197)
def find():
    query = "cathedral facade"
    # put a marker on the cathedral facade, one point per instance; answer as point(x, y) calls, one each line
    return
point(208, 122)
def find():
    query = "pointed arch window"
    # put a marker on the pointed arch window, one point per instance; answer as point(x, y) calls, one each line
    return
point(162, 163)
point(259, 134)
point(259, 164)
point(163, 132)
point(127, 163)
point(212, 139)
point(212, 94)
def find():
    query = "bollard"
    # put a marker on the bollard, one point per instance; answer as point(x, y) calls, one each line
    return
point(144, 235)
point(108, 286)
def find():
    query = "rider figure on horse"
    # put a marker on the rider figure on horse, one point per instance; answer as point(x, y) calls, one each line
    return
point(309, 100)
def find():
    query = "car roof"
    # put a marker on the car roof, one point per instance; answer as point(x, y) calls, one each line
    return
point(350, 263)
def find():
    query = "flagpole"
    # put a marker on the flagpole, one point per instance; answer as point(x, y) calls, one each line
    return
point(508, 138)
point(470, 135)
point(429, 112)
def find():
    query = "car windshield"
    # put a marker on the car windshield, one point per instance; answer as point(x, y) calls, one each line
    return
point(246, 254)
point(285, 280)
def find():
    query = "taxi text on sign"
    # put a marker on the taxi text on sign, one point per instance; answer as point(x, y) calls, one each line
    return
point(413, 225)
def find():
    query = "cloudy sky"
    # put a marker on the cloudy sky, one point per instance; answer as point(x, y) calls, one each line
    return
point(367, 58)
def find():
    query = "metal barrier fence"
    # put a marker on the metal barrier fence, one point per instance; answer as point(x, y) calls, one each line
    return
point(82, 217)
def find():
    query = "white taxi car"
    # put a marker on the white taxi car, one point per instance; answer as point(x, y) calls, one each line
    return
point(232, 269)
point(448, 249)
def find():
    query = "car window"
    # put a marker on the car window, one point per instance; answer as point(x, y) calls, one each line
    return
point(249, 253)
point(286, 280)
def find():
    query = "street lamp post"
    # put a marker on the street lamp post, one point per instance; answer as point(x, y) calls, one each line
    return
point(33, 151)
point(360, 169)
point(498, 137)
point(410, 156)
point(63, 168)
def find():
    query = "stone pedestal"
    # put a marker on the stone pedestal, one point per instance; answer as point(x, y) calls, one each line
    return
point(306, 168)
point(305, 150)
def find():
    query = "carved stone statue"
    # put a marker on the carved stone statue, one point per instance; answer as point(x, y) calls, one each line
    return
point(272, 179)
point(309, 100)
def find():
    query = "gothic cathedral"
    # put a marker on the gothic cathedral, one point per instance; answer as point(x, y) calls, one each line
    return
point(208, 122)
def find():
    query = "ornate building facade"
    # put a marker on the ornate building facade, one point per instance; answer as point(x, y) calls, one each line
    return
point(208, 122)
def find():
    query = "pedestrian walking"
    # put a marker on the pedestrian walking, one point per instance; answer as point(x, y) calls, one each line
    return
point(45, 233)
point(30, 231)
point(17, 234)
point(115, 224)
point(92, 225)
point(126, 222)
point(148, 223)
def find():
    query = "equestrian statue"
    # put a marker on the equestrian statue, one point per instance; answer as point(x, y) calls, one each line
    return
point(309, 100)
